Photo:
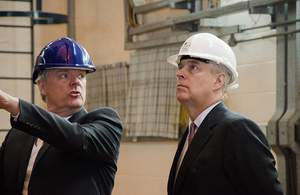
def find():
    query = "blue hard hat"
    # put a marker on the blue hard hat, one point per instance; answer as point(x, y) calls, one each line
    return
point(63, 53)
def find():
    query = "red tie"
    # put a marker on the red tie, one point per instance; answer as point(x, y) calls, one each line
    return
point(192, 132)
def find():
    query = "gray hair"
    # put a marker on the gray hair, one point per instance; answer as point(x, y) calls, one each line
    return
point(43, 75)
point(219, 68)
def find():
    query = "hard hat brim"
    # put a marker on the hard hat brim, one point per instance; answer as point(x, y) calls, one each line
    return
point(72, 66)
point(172, 60)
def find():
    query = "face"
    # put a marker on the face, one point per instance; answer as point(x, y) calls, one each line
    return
point(195, 83)
point(65, 90)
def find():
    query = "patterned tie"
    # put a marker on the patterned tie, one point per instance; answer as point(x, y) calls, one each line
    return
point(192, 132)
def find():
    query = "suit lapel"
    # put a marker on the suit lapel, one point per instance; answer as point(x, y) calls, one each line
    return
point(42, 151)
point(46, 146)
point(200, 139)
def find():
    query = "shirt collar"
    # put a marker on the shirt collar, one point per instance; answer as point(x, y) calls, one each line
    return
point(203, 114)
point(67, 117)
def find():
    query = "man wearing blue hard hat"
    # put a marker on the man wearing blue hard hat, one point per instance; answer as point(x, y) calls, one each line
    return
point(64, 149)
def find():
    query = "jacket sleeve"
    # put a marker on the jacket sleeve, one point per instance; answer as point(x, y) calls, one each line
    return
point(96, 135)
point(248, 160)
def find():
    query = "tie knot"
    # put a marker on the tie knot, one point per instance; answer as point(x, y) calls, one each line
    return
point(193, 126)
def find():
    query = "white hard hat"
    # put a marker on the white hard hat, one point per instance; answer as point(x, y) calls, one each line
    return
point(210, 47)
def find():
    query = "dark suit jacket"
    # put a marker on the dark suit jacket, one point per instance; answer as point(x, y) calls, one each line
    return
point(228, 155)
point(78, 157)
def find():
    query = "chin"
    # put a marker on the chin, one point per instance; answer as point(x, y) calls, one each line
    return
point(181, 96)
point(181, 99)
point(76, 104)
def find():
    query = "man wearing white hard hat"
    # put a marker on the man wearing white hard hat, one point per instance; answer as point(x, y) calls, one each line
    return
point(221, 152)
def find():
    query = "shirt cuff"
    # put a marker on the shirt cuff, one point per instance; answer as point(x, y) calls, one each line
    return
point(16, 117)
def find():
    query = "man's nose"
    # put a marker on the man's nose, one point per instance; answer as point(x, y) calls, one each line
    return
point(75, 80)
point(180, 73)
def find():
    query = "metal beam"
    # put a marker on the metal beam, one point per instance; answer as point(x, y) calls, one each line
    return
point(71, 19)
point(282, 126)
point(17, 52)
point(38, 17)
point(179, 37)
point(196, 16)
point(154, 6)
point(16, 78)
point(281, 98)
point(17, 0)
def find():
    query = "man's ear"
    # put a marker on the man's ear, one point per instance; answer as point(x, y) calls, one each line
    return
point(220, 80)
point(41, 85)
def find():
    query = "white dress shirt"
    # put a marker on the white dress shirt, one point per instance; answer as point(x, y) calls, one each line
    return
point(35, 149)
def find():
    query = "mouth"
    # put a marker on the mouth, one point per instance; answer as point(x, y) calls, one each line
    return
point(179, 86)
point(75, 94)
